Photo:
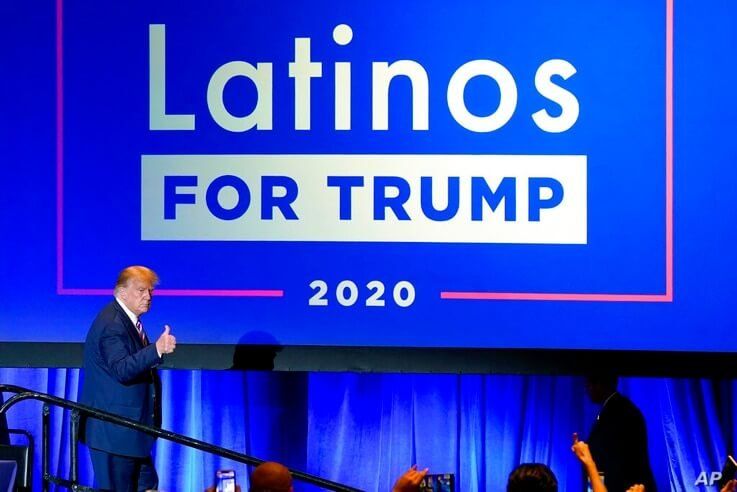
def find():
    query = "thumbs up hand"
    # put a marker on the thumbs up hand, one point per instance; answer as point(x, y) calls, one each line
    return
point(166, 342)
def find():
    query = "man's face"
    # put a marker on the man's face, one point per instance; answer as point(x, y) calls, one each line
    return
point(136, 296)
point(598, 393)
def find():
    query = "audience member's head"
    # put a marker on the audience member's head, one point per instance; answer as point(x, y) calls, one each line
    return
point(600, 386)
point(271, 477)
point(532, 477)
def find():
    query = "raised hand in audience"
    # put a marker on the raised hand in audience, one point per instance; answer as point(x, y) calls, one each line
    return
point(581, 450)
point(410, 481)
point(730, 486)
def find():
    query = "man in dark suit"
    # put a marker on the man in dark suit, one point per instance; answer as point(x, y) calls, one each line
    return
point(618, 438)
point(120, 377)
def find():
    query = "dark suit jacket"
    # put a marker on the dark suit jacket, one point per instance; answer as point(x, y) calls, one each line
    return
point(618, 444)
point(120, 377)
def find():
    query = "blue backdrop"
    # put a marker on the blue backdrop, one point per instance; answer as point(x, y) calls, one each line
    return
point(75, 125)
point(366, 429)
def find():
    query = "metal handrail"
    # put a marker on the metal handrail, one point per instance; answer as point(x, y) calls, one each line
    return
point(27, 394)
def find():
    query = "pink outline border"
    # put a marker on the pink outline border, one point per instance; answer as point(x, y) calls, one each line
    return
point(59, 151)
point(668, 295)
point(183, 292)
point(509, 296)
point(60, 289)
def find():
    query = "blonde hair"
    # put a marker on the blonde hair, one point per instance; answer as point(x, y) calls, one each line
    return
point(142, 273)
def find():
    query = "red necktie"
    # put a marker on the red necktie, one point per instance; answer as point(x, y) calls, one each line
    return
point(141, 334)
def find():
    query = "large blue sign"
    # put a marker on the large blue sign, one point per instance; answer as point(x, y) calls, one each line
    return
point(492, 174)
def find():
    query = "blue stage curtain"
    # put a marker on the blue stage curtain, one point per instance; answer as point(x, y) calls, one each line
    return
point(366, 429)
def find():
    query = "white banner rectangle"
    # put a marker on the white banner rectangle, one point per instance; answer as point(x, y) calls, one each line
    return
point(533, 199)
